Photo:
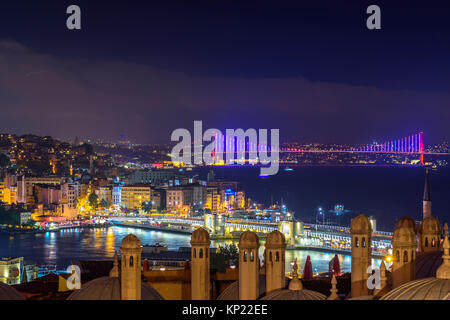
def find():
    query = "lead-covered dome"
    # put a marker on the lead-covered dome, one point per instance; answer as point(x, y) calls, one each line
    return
point(422, 289)
point(430, 225)
point(360, 224)
point(108, 288)
point(248, 240)
point(287, 294)
point(406, 222)
point(131, 242)
point(403, 236)
point(9, 293)
point(275, 240)
point(200, 236)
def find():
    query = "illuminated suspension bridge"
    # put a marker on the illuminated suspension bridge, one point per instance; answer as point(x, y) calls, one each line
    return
point(410, 145)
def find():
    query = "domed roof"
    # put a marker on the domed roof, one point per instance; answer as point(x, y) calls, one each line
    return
point(287, 294)
point(131, 242)
point(406, 222)
point(275, 240)
point(248, 240)
point(360, 224)
point(403, 236)
point(9, 293)
point(427, 263)
point(430, 225)
point(422, 289)
point(232, 291)
point(200, 236)
point(108, 288)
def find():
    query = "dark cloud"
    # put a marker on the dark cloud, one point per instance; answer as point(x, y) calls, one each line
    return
point(49, 95)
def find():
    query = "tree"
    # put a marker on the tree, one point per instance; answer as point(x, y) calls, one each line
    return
point(146, 206)
point(93, 200)
point(225, 256)
point(104, 204)
point(4, 160)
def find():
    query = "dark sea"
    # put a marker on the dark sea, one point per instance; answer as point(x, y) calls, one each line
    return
point(387, 193)
point(384, 192)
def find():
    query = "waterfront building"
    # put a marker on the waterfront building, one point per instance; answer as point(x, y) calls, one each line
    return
point(25, 187)
point(153, 177)
point(116, 196)
point(70, 192)
point(132, 196)
point(175, 197)
point(105, 195)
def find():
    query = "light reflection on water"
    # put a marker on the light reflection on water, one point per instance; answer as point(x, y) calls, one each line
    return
point(61, 247)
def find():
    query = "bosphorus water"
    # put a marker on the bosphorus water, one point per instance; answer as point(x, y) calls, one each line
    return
point(387, 193)
point(61, 247)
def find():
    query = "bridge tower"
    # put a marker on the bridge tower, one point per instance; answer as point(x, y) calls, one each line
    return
point(130, 279)
point(404, 245)
point(200, 277)
point(361, 233)
point(248, 266)
point(421, 147)
point(274, 261)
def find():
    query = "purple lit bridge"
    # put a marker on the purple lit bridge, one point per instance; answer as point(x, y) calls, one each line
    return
point(410, 145)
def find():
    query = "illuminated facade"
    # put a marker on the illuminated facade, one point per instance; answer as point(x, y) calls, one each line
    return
point(133, 196)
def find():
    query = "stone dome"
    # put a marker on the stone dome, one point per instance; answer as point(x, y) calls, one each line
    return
point(131, 242)
point(403, 236)
point(248, 240)
point(422, 289)
point(108, 288)
point(9, 293)
point(275, 240)
point(200, 236)
point(232, 291)
point(430, 225)
point(360, 224)
point(406, 222)
point(427, 263)
point(287, 294)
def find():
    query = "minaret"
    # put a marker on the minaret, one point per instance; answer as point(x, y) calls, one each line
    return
point(274, 261)
point(361, 232)
point(404, 245)
point(248, 266)
point(443, 272)
point(200, 277)
point(130, 278)
point(426, 197)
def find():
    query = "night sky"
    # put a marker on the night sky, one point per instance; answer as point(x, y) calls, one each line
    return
point(144, 68)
